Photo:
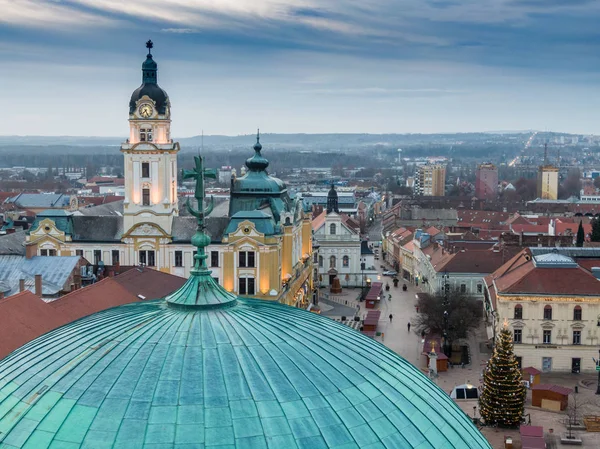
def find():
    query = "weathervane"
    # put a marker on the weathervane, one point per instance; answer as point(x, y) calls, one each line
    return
point(200, 239)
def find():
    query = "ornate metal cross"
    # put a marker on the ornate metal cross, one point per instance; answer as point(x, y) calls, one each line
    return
point(199, 173)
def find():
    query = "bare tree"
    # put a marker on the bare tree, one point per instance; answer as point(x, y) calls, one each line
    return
point(464, 314)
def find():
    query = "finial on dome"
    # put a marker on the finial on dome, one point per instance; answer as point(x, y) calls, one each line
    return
point(200, 290)
point(149, 46)
point(257, 145)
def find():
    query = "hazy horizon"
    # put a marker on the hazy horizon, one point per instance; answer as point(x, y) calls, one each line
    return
point(302, 66)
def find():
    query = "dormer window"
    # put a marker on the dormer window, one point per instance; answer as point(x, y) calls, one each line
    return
point(145, 134)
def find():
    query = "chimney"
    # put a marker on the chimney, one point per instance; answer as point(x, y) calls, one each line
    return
point(21, 285)
point(31, 250)
point(38, 285)
point(77, 280)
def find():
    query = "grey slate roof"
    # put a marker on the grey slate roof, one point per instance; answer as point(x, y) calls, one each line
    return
point(115, 209)
point(55, 272)
point(97, 229)
point(185, 227)
point(364, 247)
point(39, 200)
point(13, 244)
point(566, 251)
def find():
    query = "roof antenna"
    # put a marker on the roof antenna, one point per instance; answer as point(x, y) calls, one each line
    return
point(201, 144)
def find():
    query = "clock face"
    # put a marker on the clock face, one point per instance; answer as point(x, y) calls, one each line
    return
point(145, 110)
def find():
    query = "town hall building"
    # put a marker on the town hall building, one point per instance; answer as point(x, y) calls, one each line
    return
point(260, 239)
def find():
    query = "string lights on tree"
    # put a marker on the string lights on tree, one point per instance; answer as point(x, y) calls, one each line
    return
point(502, 400)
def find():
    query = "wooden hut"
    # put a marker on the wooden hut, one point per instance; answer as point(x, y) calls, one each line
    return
point(531, 375)
point(374, 295)
point(369, 327)
point(532, 437)
point(552, 397)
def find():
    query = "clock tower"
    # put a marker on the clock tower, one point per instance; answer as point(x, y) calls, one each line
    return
point(150, 156)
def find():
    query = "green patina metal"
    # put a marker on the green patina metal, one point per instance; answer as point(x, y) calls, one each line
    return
point(256, 189)
point(207, 370)
point(200, 290)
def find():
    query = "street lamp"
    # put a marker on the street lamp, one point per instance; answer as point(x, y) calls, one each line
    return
point(446, 278)
point(598, 369)
point(494, 318)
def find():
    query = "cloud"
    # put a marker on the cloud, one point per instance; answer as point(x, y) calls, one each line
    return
point(375, 92)
point(179, 30)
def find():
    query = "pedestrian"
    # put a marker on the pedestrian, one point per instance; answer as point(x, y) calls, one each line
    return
point(391, 317)
point(408, 326)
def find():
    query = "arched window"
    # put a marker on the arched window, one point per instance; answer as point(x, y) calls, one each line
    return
point(577, 313)
point(346, 261)
point(321, 261)
point(332, 228)
point(547, 312)
point(332, 262)
point(518, 312)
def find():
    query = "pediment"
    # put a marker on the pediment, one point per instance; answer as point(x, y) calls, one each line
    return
point(146, 230)
point(518, 324)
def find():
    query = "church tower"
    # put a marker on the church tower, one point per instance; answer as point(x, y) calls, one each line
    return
point(332, 200)
point(150, 155)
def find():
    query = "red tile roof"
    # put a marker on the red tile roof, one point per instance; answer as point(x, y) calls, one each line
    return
point(151, 284)
point(24, 316)
point(531, 371)
point(318, 221)
point(550, 387)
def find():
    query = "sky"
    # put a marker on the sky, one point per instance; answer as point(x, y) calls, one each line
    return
point(68, 67)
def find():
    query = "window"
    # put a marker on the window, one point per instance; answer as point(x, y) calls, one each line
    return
point(576, 337)
point(346, 261)
point(463, 288)
point(547, 337)
point(577, 313)
point(145, 197)
point(179, 258)
point(246, 259)
point(332, 262)
point(79, 252)
point(518, 312)
point(332, 228)
point(315, 258)
point(145, 169)
point(320, 261)
point(48, 252)
point(518, 336)
point(246, 286)
point(145, 134)
point(479, 288)
point(97, 256)
point(147, 258)
point(115, 256)
point(548, 312)
point(214, 258)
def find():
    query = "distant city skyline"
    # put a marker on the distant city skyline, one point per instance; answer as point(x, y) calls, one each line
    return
point(303, 66)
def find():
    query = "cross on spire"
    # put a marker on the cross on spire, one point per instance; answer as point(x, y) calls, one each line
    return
point(149, 46)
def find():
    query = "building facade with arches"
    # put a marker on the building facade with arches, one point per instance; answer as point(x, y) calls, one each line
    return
point(550, 300)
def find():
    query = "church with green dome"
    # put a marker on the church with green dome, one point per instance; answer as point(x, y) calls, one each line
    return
point(204, 368)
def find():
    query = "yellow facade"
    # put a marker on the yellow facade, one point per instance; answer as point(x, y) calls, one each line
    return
point(547, 183)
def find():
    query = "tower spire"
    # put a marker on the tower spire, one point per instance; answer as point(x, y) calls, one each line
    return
point(149, 67)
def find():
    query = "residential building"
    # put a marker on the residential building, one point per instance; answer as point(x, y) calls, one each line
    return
point(550, 300)
point(430, 180)
point(486, 182)
point(547, 182)
point(38, 202)
point(260, 238)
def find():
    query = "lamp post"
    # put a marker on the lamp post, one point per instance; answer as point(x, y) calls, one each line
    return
point(446, 278)
point(494, 315)
point(598, 369)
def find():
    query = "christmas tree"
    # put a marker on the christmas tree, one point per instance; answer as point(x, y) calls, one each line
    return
point(503, 397)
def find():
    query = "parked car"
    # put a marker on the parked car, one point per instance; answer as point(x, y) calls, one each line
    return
point(390, 273)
